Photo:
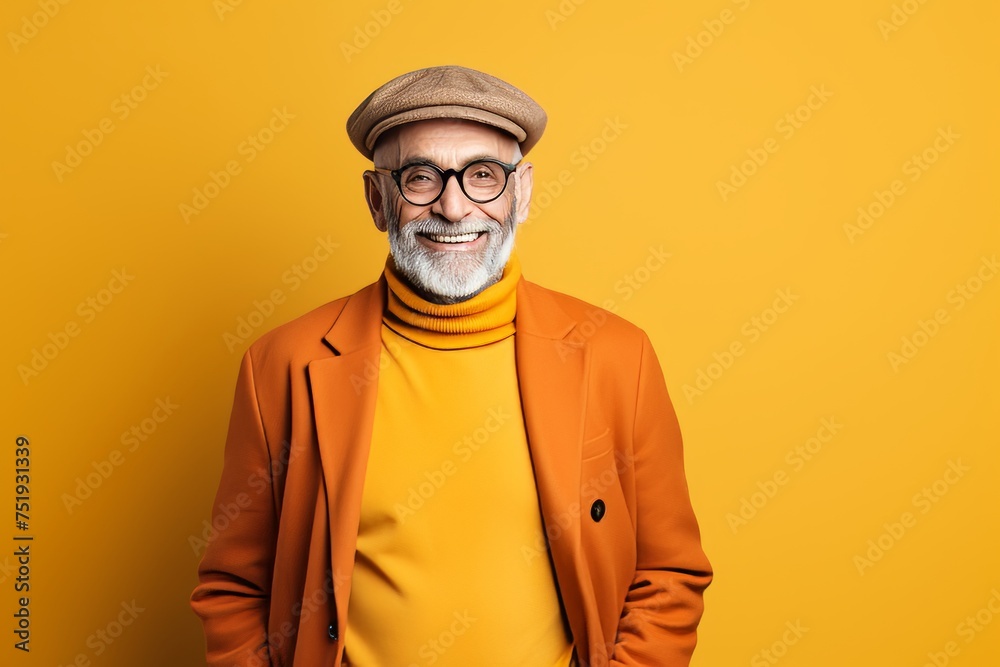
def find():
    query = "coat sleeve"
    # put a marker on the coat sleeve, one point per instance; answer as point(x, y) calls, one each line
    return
point(664, 603)
point(232, 596)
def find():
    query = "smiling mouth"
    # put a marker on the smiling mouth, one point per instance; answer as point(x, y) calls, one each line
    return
point(455, 238)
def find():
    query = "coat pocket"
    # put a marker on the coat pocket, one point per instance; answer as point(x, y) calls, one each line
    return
point(598, 445)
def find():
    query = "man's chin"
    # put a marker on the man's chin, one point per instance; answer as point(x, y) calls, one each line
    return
point(443, 273)
point(445, 276)
point(444, 287)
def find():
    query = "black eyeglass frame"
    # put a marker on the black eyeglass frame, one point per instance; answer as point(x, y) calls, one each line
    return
point(446, 174)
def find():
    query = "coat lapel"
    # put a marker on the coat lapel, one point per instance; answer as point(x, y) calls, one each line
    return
point(343, 389)
point(552, 369)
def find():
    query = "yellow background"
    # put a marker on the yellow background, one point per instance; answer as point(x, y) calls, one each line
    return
point(662, 132)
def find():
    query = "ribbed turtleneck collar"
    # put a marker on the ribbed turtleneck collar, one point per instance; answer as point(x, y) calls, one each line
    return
point(486, 318)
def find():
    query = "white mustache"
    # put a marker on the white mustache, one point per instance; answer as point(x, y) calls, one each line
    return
point(441, 227)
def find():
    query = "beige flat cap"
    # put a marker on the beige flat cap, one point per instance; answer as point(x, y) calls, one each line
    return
point(448, 91)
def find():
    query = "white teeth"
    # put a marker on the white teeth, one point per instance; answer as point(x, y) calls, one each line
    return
point(463, 238)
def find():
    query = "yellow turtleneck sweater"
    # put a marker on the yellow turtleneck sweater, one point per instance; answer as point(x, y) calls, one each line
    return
point(449, 498)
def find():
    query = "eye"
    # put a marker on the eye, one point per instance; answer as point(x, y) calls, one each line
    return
point(483, 174)
point(419, 177)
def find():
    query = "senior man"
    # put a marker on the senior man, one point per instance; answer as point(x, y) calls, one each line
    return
point(452, 466)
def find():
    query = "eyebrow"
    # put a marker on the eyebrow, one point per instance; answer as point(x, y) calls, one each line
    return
point(422, 158)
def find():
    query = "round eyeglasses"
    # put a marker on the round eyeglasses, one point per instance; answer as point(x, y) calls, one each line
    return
point(423, 183)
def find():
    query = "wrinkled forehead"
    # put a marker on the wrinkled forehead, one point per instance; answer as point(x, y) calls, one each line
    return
point(448, 142)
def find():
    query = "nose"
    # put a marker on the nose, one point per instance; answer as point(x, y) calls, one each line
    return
point(453, 205)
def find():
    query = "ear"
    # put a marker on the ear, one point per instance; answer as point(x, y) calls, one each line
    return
point(373, 195)
point(523, 182)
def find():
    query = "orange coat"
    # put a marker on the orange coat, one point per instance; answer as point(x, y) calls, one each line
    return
point(604, 441)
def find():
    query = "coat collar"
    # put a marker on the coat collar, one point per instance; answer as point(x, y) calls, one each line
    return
point(356, 326)
point(359, 323)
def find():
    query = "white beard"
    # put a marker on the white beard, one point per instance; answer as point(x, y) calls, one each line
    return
point(450, 277)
